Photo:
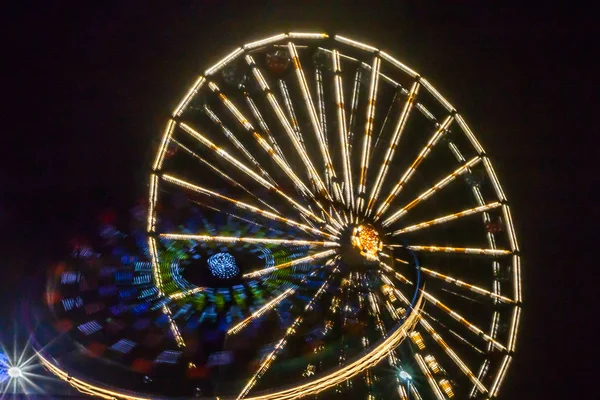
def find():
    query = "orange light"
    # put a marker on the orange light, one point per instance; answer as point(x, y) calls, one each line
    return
point(366, 239)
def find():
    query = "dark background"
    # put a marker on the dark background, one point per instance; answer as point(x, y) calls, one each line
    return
point(90, 86)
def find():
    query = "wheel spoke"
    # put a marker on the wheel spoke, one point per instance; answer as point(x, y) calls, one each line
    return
point(263, 143)
point(463, 250)
point(411, 170)
point(427, 373)
point(223, 154)
point(329, 170)
point(366, 148)
point(446, 218)
point(297, 261)
point(237, 239)
point(244, 206)
point(428, 193)
point(462, 320)
point(291, 330)
point(389, 156)
point(342, 129)
point(472, 288)
point(286, 126)
point(225, 176)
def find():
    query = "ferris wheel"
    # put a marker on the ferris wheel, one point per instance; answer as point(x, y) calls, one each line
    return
point(365, 162)
point(321, 221)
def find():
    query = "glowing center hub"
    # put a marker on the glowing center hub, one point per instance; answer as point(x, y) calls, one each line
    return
point(222, 265)
point(14, 372)
point(366, 239)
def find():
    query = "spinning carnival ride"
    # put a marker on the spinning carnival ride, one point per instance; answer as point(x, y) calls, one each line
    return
point(347, 231)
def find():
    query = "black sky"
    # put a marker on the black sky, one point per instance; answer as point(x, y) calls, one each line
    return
point(91, 85)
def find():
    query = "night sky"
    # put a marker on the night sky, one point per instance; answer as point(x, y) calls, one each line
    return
point(90, 88)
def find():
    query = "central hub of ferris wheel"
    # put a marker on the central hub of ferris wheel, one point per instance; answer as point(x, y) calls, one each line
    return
point(367, 241)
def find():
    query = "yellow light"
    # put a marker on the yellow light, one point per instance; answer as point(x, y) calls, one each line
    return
point(366, 239)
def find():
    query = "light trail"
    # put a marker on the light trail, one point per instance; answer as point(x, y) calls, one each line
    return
point(246, 170)
point(233, 182)
point(238, 239)
point(297, 261)
point(342, 129)
point(244, 206)
point(473, 288)
point(389, 156)
point(329, 170)
point(428, 193)
point(446, 218)
point(411, 170)
point(316, 179)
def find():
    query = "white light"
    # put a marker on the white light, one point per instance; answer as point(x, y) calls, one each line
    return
point(404, 375)
point(15, 372)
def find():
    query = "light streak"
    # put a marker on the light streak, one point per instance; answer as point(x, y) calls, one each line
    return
point(460, 283)
point(264, 42)
point(189, 96)
point(246, 170)
point(286, 125)
point(446, 218)
point(297, 261)
point(261, 311)
point(361, 364)
point(164, 143)
point(464, 250)
point(462, 320)
point(228, 58)
point(366, 149)
point(341, 114)
point(411, 170)
point(237, 239)
point(428, 193)
point(425, 370)
point(392, 148)
point(225, 176)
point(330, 172)
point(270, 358)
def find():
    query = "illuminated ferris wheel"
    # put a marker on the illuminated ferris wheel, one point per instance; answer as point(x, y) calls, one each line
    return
point(359, 159)
point(321, 222)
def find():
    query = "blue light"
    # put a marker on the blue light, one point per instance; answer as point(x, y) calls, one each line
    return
point(4, 367)
point(222, 265)
point(404, 375)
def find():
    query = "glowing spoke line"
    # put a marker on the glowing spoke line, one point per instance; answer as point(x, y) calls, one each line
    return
point(225, 176)
point(396, 274)
point(425, 370)
point(262, 142)
point(464, 250)
point(271, 357)
point(263, 125)
point(362, 183)
point(330, 172)
point(246, 170)
point(392, 148)
point(341, 114)
point(237, 143)
point(286, 126)
point(462, 320)
point(261, 311)
point(297, 261)
point(463, 367)
point(460, 283)
point(428, 193)
point(244, 206)
point(287, 100)
point(237, 239)
point(446, 218)
point(411, 170)
point(361, 364)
